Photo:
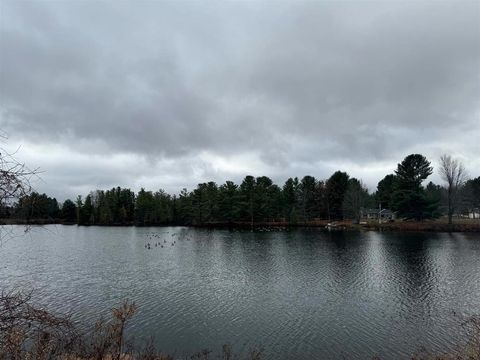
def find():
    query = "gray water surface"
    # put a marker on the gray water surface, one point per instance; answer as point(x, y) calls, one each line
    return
point(298, 294)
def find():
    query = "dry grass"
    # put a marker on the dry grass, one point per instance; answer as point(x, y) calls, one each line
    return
point(27, 332)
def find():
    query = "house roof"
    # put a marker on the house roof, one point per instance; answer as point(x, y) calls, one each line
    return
point(376, 211)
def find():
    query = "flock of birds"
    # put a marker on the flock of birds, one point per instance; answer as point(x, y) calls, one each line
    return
point(160, 240)
point(153, 237)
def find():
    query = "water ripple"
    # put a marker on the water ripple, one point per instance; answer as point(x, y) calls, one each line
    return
point(299, 294)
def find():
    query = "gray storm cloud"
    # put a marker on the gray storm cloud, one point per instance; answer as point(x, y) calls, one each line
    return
point(168, 94)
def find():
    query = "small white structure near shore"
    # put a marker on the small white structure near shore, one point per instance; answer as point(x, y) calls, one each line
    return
point(474, 214)
point(377, 214)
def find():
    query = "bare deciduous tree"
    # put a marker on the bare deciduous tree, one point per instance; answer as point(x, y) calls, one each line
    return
point(355, 198)
point(454, 174)
point(15, 179)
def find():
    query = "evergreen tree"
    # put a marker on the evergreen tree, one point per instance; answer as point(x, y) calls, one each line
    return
point(336, 187)
point(163, 207)
point(79, 204)
point(229, 198)
point(37, 206)
point(321, 207)
point(471, 195)
point(433, 194)
point(53, 210)
point(307, 198)
point(86, 215)
point(144, 208)
point(409, 198)
point(385, 190)
point(289, 194)
point(69, 211)
point(184, 208)
point(264, 199)
point(247, 192)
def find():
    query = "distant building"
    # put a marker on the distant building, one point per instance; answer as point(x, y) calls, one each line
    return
point(474, 214)
point(375, 214)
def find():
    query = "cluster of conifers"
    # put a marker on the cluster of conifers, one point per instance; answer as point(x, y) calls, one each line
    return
point(255, 200)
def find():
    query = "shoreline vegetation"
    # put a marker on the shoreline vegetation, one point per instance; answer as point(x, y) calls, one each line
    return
point(341, 201)
point(439, 225)
point(30, 332)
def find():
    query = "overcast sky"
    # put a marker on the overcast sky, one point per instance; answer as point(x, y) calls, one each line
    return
point(167, 94)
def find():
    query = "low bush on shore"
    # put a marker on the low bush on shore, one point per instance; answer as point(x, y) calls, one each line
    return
point(27, 332)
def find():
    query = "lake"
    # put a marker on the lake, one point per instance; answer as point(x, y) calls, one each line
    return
point(303, 293)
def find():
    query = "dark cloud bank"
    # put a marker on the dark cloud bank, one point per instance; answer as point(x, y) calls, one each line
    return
point(169, 94)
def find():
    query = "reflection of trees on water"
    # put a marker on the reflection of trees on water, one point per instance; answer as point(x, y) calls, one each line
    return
point(410, 267)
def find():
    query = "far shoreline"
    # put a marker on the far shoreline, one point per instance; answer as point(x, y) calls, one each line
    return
point(463, 225)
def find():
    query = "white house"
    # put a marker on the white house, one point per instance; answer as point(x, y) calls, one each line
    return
point(375, 214)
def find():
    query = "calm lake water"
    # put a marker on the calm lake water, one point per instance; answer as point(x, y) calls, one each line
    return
point(297, 294)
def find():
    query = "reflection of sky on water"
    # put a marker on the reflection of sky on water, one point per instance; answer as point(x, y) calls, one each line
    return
point(300, 293)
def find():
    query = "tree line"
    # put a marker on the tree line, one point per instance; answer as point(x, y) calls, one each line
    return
point(259, 200)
